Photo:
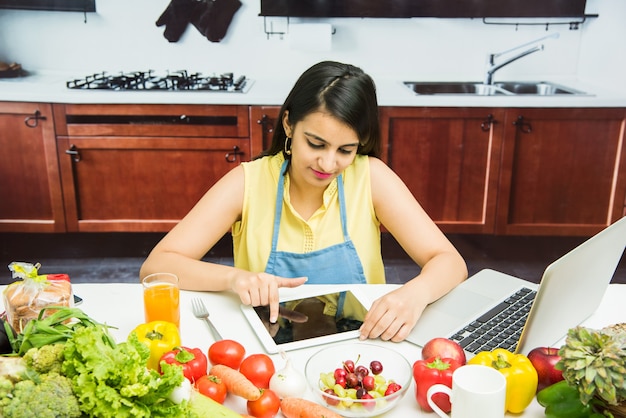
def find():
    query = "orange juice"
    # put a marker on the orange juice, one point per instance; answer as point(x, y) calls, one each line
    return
point(161, 300)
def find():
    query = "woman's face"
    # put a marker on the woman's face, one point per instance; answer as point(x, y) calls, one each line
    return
point(321, 148)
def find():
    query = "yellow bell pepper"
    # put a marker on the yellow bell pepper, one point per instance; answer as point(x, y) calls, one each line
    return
point(160, 337)
point(521, 376)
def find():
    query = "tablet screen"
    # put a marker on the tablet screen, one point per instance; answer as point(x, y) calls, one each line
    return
point(309, 318)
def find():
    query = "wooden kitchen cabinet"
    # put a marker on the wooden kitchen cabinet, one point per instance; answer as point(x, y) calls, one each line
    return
point(563, 171)
point(140, 168)
point(440, 170)
point(143, 167)
point(30, 191)
point(449, 158)
point(262, 122)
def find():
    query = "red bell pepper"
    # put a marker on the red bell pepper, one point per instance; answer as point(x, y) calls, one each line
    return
point(192, 360)
point(432, 371)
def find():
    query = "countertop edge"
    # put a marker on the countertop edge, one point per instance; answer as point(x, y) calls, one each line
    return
point(51, 88)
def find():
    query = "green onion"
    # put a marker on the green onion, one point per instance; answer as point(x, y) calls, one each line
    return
point(57, 327)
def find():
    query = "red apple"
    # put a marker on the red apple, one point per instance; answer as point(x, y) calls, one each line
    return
point(443, 348)
point(544, 359)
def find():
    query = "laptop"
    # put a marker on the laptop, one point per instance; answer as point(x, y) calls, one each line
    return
point(570, 290)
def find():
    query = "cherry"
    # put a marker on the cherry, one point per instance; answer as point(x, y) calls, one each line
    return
point(376, 367)
point(352, 380)
point(339, 372)
point(330, 400)
point(362, 371)
point(369, 383)
point(370, 404)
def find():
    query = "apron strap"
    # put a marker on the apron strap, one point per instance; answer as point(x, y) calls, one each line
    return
point(342, 208)
point(279, 205)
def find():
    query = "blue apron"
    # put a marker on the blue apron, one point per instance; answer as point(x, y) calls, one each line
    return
point(337, 264)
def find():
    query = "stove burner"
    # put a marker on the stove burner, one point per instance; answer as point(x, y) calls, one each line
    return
point(172, 81)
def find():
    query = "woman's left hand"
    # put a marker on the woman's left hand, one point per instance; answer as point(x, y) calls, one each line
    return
point(393, 316)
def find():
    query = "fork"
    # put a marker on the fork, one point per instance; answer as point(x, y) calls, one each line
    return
point(200, 312)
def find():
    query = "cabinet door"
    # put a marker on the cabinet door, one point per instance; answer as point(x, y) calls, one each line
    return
point(563, 171)
point(262, 122)
point(449, 159)
point(140, 176)
point(30, 191)
point(138, 184)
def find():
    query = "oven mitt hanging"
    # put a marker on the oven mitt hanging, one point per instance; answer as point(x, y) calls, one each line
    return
point(175, 18)
point(212, 17)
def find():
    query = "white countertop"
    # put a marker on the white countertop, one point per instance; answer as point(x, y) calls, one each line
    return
point(51, 88)
point(121, 305)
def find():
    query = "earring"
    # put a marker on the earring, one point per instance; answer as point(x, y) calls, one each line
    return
point(287, 147)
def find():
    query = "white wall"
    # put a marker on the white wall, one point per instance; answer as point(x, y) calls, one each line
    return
point(603, 46)
point(122, 36)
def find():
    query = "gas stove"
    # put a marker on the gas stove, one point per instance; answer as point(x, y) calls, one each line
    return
point(170, 81)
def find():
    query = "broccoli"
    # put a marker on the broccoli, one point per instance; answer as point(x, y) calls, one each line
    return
point(6, 390)
point(48, 396)
point(46, 359)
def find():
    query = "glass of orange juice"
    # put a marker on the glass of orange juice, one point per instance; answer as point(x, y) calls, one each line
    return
point(161, 298)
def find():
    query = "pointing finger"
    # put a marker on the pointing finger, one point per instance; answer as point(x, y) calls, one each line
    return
point(295, 282)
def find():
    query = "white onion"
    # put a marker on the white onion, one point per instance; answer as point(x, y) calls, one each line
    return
point(181, 392)
point(287, 382)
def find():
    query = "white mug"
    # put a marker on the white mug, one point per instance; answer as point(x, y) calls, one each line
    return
point(477, 392)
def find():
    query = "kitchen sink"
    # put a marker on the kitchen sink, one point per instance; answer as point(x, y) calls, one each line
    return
point(454, 87)
point(538, 88)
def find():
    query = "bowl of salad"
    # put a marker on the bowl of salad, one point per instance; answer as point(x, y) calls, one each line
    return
point(358, 379)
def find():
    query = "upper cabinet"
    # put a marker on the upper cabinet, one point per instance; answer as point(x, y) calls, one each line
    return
point(424, 8)
point(53, 5)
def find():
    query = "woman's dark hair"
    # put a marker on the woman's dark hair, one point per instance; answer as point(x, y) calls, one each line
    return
point(342, 90)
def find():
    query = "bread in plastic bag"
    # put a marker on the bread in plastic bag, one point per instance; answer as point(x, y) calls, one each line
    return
point(24, 299)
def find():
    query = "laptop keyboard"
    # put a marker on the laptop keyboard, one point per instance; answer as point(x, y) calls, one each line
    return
point(501, 327)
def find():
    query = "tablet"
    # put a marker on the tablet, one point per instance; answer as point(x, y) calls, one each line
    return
point(305, 321)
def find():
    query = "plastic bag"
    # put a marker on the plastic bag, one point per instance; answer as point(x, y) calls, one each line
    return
point(24, 299)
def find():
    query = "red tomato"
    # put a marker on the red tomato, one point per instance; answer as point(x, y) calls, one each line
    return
point(258, 368)
point(226, 352)
point(213, 387)
point(266, 406)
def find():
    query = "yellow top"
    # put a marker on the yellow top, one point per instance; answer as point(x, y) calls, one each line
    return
point(252, 236)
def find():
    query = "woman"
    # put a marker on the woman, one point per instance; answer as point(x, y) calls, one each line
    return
point(309, 209)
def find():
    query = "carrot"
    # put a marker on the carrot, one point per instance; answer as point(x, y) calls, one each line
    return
point(236, 382)
point(302, 408)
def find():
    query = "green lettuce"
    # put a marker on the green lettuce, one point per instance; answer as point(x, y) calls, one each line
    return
point(112, 380)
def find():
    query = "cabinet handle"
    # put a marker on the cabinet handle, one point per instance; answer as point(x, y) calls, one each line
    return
point(73, 151)
point(523, 125)
point(231, 157)
point(33, 121)
point(487, 123)
point(264, 122)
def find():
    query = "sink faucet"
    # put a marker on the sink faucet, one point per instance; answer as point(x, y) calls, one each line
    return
point(493, 67)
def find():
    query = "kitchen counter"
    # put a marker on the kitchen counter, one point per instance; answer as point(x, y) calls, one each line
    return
point(51, 88)
point(102, 302)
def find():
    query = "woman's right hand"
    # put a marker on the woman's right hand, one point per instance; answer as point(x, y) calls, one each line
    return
point(261, 289)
